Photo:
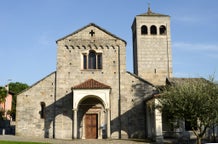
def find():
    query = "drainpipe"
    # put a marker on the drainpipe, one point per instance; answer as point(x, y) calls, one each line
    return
point(119, 95)
point(54, 111)
point(168, 59)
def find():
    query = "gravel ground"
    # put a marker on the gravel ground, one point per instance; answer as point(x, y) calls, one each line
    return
point(79, 141)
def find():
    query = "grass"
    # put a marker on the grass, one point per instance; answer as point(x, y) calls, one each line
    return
point(16, 142)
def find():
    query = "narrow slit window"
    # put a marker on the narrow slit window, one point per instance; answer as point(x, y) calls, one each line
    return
point(99, 61)
point(42, 112)
point(84, 61)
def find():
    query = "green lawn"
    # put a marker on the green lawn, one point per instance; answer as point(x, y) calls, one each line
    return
point(15, 142)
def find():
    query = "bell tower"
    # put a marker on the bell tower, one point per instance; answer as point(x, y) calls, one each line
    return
point(152, 58)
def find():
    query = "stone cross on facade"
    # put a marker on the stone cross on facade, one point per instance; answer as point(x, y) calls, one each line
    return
point(92, 33)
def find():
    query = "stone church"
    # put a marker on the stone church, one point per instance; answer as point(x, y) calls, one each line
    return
point(91, 95)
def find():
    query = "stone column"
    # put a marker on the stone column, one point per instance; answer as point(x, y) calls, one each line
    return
point(75, 123)
point(149, 121)
point(158, 124)
point(108, 123)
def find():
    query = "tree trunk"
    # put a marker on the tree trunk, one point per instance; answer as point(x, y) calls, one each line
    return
point(198, 140)
point(214, 137)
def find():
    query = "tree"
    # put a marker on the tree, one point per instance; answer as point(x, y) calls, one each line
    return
point(3, 94)
point(16, 88)
point(192, 100)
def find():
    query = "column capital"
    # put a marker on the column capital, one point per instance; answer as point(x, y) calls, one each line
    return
point(75, 109)
point(107, 109)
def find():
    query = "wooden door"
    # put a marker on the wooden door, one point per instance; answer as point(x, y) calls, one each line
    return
point(91, 126)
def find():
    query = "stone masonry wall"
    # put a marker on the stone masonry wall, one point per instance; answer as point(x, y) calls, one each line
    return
point(153, 56)
point(28, 121)
point(70, 71)
point(134, 91)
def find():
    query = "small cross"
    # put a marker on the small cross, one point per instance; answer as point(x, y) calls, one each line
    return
point(149, 9)
point(92, 33)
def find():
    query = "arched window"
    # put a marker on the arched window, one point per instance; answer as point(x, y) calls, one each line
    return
point(153, 30)
point(42, 112)
point(84, 61)
point(144, 30)
point(163, 30)
point(92, 60)
point(99, 61)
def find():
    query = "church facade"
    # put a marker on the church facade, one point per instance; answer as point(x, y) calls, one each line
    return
point(91, 95)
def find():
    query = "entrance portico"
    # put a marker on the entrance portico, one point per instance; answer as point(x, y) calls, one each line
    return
point(91, 110)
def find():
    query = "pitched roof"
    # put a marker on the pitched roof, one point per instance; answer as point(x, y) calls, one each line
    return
point(91, 84)
point(37, 82)
point(141, 79)
point(92, 24)
point(150, 13)
point(174, 80)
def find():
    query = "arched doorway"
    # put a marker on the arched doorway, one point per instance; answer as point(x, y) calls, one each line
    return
point(91, 118)
point(91, 108)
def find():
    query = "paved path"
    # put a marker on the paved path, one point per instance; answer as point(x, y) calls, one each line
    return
point(57, 141)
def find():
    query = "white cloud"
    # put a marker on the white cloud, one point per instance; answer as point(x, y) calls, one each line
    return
point(180, 74)
point(195, 46)
point(186, 74)
point(213, 55)
point(187, 19)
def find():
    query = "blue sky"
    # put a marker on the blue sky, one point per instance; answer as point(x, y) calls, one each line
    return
point(29, 30)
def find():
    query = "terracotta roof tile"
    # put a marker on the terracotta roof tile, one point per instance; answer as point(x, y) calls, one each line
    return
point(91, 84)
